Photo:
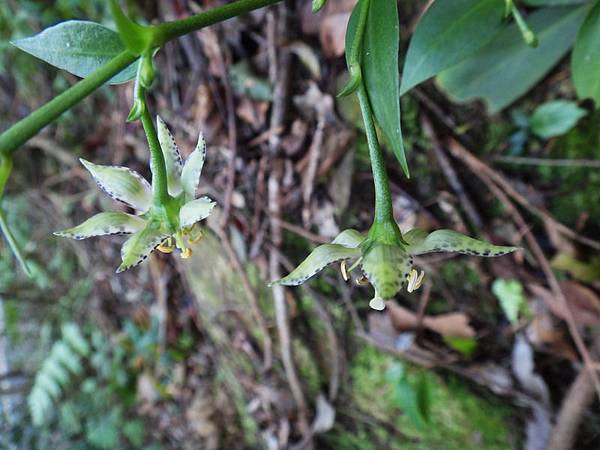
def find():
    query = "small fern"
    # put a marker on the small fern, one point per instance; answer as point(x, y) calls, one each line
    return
point(56, 371)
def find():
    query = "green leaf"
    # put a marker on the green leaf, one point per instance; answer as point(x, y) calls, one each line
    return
point(172, 156)
point(506, 68)
point(349, 238)
point(511, 297)
point(122, 184)
point(12, 243)
point(79, 47)
point(105, 223)
point(386, 267)
point(554, 2)
point(379, 68)
point(137, 248)
point(419, 243)
point(465, 346)
point(415, 400)
point(318, 259)
point(195, 211)
point(192, 169)
point(449, 32)
point(136, 38)
point(585, 60)
point(555, 118)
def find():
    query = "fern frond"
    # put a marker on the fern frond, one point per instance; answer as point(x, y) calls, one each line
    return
point(56, 371)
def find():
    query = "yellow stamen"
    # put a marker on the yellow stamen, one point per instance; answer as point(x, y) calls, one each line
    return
point(186, 253)
point(167, 246)
point(415, 280)
point(343, 270)
point(362, 281)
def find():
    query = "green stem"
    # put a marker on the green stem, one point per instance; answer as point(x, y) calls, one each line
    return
point(22, 131)
point(171, 30)
point(160, 194)
point(383, 198)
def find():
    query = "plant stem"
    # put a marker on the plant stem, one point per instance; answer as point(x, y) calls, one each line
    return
point(383, 198)
point(28, 127)
point(160, 194)
point(171, 30)
point(22, 131)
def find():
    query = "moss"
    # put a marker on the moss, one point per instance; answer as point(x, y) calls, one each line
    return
point(459, 419)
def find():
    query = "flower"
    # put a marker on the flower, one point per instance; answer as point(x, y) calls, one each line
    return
point(155, 226)
point(387, 264)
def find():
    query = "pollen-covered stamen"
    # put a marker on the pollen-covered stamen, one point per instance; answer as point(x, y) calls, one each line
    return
point(167, 246)
point(415, 280)
point(194, 234)
point(362, 281)
point(186, 253)
point(343, 270)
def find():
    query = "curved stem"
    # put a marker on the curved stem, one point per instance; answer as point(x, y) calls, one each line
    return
point(28, 127)
point(171, 30)
point(383, 198)
point(160, 194)
point(22, 131)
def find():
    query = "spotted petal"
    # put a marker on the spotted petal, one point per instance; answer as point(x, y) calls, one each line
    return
point(386, 267)
point(318, 259)
point(419, 242)
point(195, 211)
point(190, 175)
point(122, 184)
point(172, 156)
point(349, 238)
point(103, 224)
point(137, 248)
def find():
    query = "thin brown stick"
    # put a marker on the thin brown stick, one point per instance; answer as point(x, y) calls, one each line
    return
point(478, 166)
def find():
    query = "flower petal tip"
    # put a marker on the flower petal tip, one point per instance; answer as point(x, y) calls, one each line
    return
point(377, 303)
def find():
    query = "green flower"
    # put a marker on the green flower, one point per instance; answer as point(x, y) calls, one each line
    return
point(155, 226)
point(387, 264)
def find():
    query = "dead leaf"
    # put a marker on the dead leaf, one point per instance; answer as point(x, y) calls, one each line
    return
point(584, 303)
point(453, 324)
point(332, 34)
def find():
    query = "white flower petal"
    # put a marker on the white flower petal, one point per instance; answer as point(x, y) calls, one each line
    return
point(172, 156)
point(137, 248)
point(103, 224)
point(192, 169)
point(419, 243)
point(195, 211)
point(122, 184)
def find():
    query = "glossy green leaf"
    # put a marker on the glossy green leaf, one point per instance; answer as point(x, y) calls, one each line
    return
point(506, 68)
point(555, 118)
point(79, 47)
point(380, 70)
point(122, 184)
point(192, 169)
point(349, 238)
point(139, 246)
point(318, 259)
point(173, 161)
point(585, 60)
point(195, 211)
point(449, 32)
point(104, 223)
point(419, 243)
point(386, 267)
